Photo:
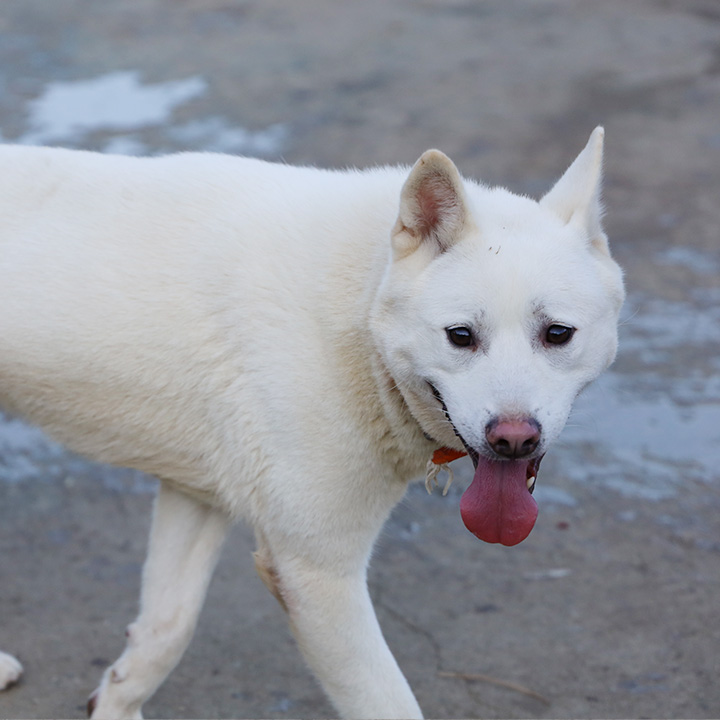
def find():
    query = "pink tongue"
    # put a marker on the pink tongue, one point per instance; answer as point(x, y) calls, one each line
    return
point(498, 507)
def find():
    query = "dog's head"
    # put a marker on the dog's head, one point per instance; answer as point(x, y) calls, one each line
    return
point(494, 313)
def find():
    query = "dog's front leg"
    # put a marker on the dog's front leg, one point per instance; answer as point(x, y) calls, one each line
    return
point(185, 544)
point(334, 623)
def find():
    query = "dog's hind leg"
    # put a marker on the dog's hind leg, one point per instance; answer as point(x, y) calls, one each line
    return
point(185, 543)
point(10, 670)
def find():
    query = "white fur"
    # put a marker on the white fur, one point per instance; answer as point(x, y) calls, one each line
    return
point(10, 670)
point(260, 337)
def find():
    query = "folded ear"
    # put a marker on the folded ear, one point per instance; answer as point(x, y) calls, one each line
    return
point(575, 198)
point(433, 209)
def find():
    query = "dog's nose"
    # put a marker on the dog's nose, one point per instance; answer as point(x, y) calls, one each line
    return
point(513, 438)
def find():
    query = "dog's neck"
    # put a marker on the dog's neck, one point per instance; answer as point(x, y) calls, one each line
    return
point(405, 441)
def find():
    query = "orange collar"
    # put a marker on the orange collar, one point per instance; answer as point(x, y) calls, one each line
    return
point(446, 455)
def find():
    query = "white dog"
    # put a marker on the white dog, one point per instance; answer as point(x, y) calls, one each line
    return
point(290, 346)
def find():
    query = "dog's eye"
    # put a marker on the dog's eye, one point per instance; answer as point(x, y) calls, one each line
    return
point(559, 334)
point(460, 336)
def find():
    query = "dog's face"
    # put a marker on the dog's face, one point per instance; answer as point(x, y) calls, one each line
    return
point(495, 312)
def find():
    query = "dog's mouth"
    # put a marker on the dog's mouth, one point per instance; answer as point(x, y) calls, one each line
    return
point(498, 507)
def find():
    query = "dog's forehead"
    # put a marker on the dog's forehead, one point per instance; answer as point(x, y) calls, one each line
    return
point(516, 257)
point(513, 235)
point(499, 213)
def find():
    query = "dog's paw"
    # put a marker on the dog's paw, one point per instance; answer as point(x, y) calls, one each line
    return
point(96, 709)
point(10, 670)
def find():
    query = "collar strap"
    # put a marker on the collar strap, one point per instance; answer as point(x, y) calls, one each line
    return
point(446, 455)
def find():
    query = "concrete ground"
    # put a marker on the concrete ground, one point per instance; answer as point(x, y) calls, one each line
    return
point(610, 609)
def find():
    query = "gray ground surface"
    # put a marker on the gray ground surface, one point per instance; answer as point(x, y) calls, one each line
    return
point(610, 608)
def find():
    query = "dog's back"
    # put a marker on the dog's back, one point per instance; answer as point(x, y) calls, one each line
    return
point(165, 286)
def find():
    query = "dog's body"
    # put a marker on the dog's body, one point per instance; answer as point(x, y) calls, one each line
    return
point(289, 346)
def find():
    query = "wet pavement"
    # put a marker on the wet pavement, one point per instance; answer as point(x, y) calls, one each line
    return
point(610, 609)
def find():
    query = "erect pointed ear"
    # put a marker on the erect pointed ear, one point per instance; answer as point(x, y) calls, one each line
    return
point(575, 198)
point(433, 208)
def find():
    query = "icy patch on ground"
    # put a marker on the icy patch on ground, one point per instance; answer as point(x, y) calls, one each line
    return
point(699, 262)
point(659, 325)
point(550, 495)
point(116, 101)
point(215, 135)
point(644, 433)
point(28, 454)
point(119, 103)
point(641, 447)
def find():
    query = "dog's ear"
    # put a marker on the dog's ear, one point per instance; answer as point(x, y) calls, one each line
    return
point(433, 209)
point(576, 195)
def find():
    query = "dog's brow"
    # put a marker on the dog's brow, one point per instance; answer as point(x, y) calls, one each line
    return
point(538, 309)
